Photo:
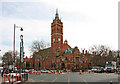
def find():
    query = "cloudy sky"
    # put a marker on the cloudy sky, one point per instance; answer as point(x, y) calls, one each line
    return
point(85, 22)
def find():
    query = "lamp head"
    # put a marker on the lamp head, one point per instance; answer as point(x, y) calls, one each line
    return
point(21, 29)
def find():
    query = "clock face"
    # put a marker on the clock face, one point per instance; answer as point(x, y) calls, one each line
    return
point(59, 39)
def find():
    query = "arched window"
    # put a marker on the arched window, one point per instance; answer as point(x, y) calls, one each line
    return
point(53, 40)
point(59, 39)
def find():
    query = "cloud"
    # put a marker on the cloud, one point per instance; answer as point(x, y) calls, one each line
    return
point(85, 23)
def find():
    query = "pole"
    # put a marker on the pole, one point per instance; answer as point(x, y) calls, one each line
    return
point(14, 45)
point(20, 57)
point(22, 54)
point(14, 48)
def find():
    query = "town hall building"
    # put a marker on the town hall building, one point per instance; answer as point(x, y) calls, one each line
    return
point(60, 55)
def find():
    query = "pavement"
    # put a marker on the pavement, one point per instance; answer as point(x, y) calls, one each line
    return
point(68, 78)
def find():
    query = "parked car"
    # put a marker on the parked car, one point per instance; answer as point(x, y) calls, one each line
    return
point(110, 67)
point(110, 70)
point(44, 71)
point(53, 71)
point(118, 70)
point(94, 69)
point(27, 71)
point(100, 70)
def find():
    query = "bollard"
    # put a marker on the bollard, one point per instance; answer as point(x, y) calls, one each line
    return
point(12, 79)
point(80, 71)
point(61, 72)
point(88, 71)
point(55, 72)
point(4, 78)
point(9, 77)
point(16, 77)
point(20, 77)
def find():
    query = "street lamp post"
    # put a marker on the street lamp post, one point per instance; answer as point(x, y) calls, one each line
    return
point(14, 43)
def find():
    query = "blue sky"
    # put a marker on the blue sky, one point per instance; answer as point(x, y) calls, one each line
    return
point(26, 10)
point(85, 22)
point(35, 11)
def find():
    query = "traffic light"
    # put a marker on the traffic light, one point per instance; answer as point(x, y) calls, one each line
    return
point(23, 54)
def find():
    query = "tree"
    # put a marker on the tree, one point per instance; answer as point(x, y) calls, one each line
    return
point(99, 54)
point(8, 58)
point(100, 50)
point(18, 61)
point(38, 45)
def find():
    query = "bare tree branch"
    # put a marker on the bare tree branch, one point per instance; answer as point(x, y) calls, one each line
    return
point(38, 45)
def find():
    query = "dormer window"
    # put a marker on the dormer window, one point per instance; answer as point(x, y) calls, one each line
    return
point(65, 42)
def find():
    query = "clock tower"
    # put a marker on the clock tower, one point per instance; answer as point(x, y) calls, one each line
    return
point(57, 35)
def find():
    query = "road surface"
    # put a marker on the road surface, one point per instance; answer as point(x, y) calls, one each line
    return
point(68, 78)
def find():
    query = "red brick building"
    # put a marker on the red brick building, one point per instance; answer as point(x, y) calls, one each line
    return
point(60, 55)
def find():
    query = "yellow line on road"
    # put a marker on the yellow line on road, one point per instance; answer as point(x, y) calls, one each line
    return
point(68, 80)
point(30, 80)
point(54, 80)
point(84, 80)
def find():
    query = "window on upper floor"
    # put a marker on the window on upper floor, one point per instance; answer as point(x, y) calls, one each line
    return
point(65, 58)
point(77, 59)
point(81, 61)
point(59, 39)
point(71, 59)
point(53, 40)
point(53, 60)
point(65, 51)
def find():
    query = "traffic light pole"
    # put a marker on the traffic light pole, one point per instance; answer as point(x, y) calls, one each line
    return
point(20, 57)
point(21, 51)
